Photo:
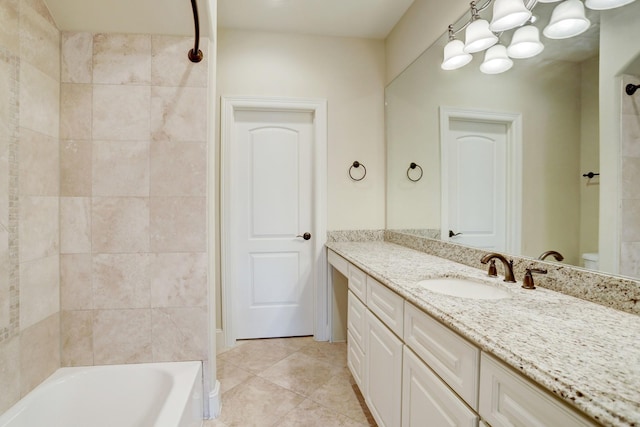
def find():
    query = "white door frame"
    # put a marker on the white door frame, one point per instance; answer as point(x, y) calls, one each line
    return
point(318, 107)
point(514, 168)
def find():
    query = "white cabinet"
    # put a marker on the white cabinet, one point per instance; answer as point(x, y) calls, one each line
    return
point(386, 304)
point(356, 324)
point(508, 399)
point(358, 283)
point(383, 370)
point(426, 400)
point(453, 358)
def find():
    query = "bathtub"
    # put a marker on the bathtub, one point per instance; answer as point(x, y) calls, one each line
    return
point(138, 395)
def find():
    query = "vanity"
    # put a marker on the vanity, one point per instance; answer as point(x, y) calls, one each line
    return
point(524, 357)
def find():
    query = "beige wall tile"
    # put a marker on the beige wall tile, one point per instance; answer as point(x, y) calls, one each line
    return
point(39, 101)
point(168, 65)
point(631, 135)
point(120, 168)
point(178, 224)
point(39, 352)
point(9, 372)
point(39, 38)
point(121, 59)
point(121, 281)
point(5, 294)
point(76, 292)
point(179, 334)
point(630, 220)
point(178, 169)
point(630, 178)
point(77, 57)
point(77, 338)
point(4, 168)
point(178, 114)
point(75, 225)
point(8, 89)
point(121, 113)
point(75, 111)
point(120, 224)
point(39, 290)
point(178, 280)
point(9, 26)
point(38, 228)
point(122, 336)
point(39, 164)
point(75, 168)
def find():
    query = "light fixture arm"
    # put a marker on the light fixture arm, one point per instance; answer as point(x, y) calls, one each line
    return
point(475, 14)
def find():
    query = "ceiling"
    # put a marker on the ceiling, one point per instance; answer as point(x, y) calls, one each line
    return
point(349, 18)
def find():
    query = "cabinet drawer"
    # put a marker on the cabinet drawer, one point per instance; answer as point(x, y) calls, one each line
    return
point(355, 361)
point(356, 318)
point(385, 304)
point(339, 263)
point(358, 282)
point(452, 357)
point(427, 401)
point(507, 399)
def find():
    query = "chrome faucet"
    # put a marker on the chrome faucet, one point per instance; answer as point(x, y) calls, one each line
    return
point(557, 255)
point(508, 266)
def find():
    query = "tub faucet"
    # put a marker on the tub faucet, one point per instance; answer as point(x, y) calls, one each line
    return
point(508, 266)
point(557, 255)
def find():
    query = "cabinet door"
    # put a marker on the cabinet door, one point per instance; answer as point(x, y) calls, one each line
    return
point(427, 401)
point(356, 318)
point(383, 370)
point(508, 399)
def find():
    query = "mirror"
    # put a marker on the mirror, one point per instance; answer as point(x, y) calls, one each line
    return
point(556, 96)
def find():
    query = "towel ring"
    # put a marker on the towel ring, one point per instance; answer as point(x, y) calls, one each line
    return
point(413, 166)
point(356, 165)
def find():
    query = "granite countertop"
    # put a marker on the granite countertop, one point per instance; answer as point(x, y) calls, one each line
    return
point(584, 353)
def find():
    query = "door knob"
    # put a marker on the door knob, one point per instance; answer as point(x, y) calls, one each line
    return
point(305, 236)
point(452, 234)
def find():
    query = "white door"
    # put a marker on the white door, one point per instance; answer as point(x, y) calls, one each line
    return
point(271, 197)
point(477, 183)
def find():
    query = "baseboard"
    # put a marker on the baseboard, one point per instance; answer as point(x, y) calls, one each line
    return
point(215, 403)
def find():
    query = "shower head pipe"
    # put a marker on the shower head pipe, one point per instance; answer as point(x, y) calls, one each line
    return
point(631, 89)
point(195, 54)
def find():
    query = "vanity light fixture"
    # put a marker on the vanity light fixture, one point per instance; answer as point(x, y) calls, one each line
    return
point(496, 60)
point(606, 4)
point(525, 43)
point(567, 20)
point(454, 55)
point(508, 14)
point(478, 36)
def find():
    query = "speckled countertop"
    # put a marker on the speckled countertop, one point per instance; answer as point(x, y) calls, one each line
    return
point(584, 353)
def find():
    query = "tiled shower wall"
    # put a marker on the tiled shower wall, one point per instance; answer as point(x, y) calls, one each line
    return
point(133, 131)
point(29, 195)
point(630, 191)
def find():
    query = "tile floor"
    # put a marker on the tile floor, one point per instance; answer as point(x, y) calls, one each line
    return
point(288, 382)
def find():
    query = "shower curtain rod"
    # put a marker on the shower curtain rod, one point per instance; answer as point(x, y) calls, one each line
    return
point(631, 89)
point(195, 54)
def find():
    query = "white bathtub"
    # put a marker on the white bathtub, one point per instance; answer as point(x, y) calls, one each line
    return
point(139, 395)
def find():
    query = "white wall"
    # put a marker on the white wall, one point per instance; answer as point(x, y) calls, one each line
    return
point(349, 73)
point(420, 26)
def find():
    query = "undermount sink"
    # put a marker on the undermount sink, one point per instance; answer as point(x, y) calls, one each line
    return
point(463, 288)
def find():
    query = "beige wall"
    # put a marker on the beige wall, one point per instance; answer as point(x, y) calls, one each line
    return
point(589, 156)
point(133, 200)
point(349, 73)
point(619, 35)
point(420, 26)
point(29, 177)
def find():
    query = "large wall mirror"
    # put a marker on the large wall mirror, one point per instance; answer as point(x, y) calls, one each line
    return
point(547, 107)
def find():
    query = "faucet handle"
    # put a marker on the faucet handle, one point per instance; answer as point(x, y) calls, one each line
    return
point(493, 271)
point(527, 282)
